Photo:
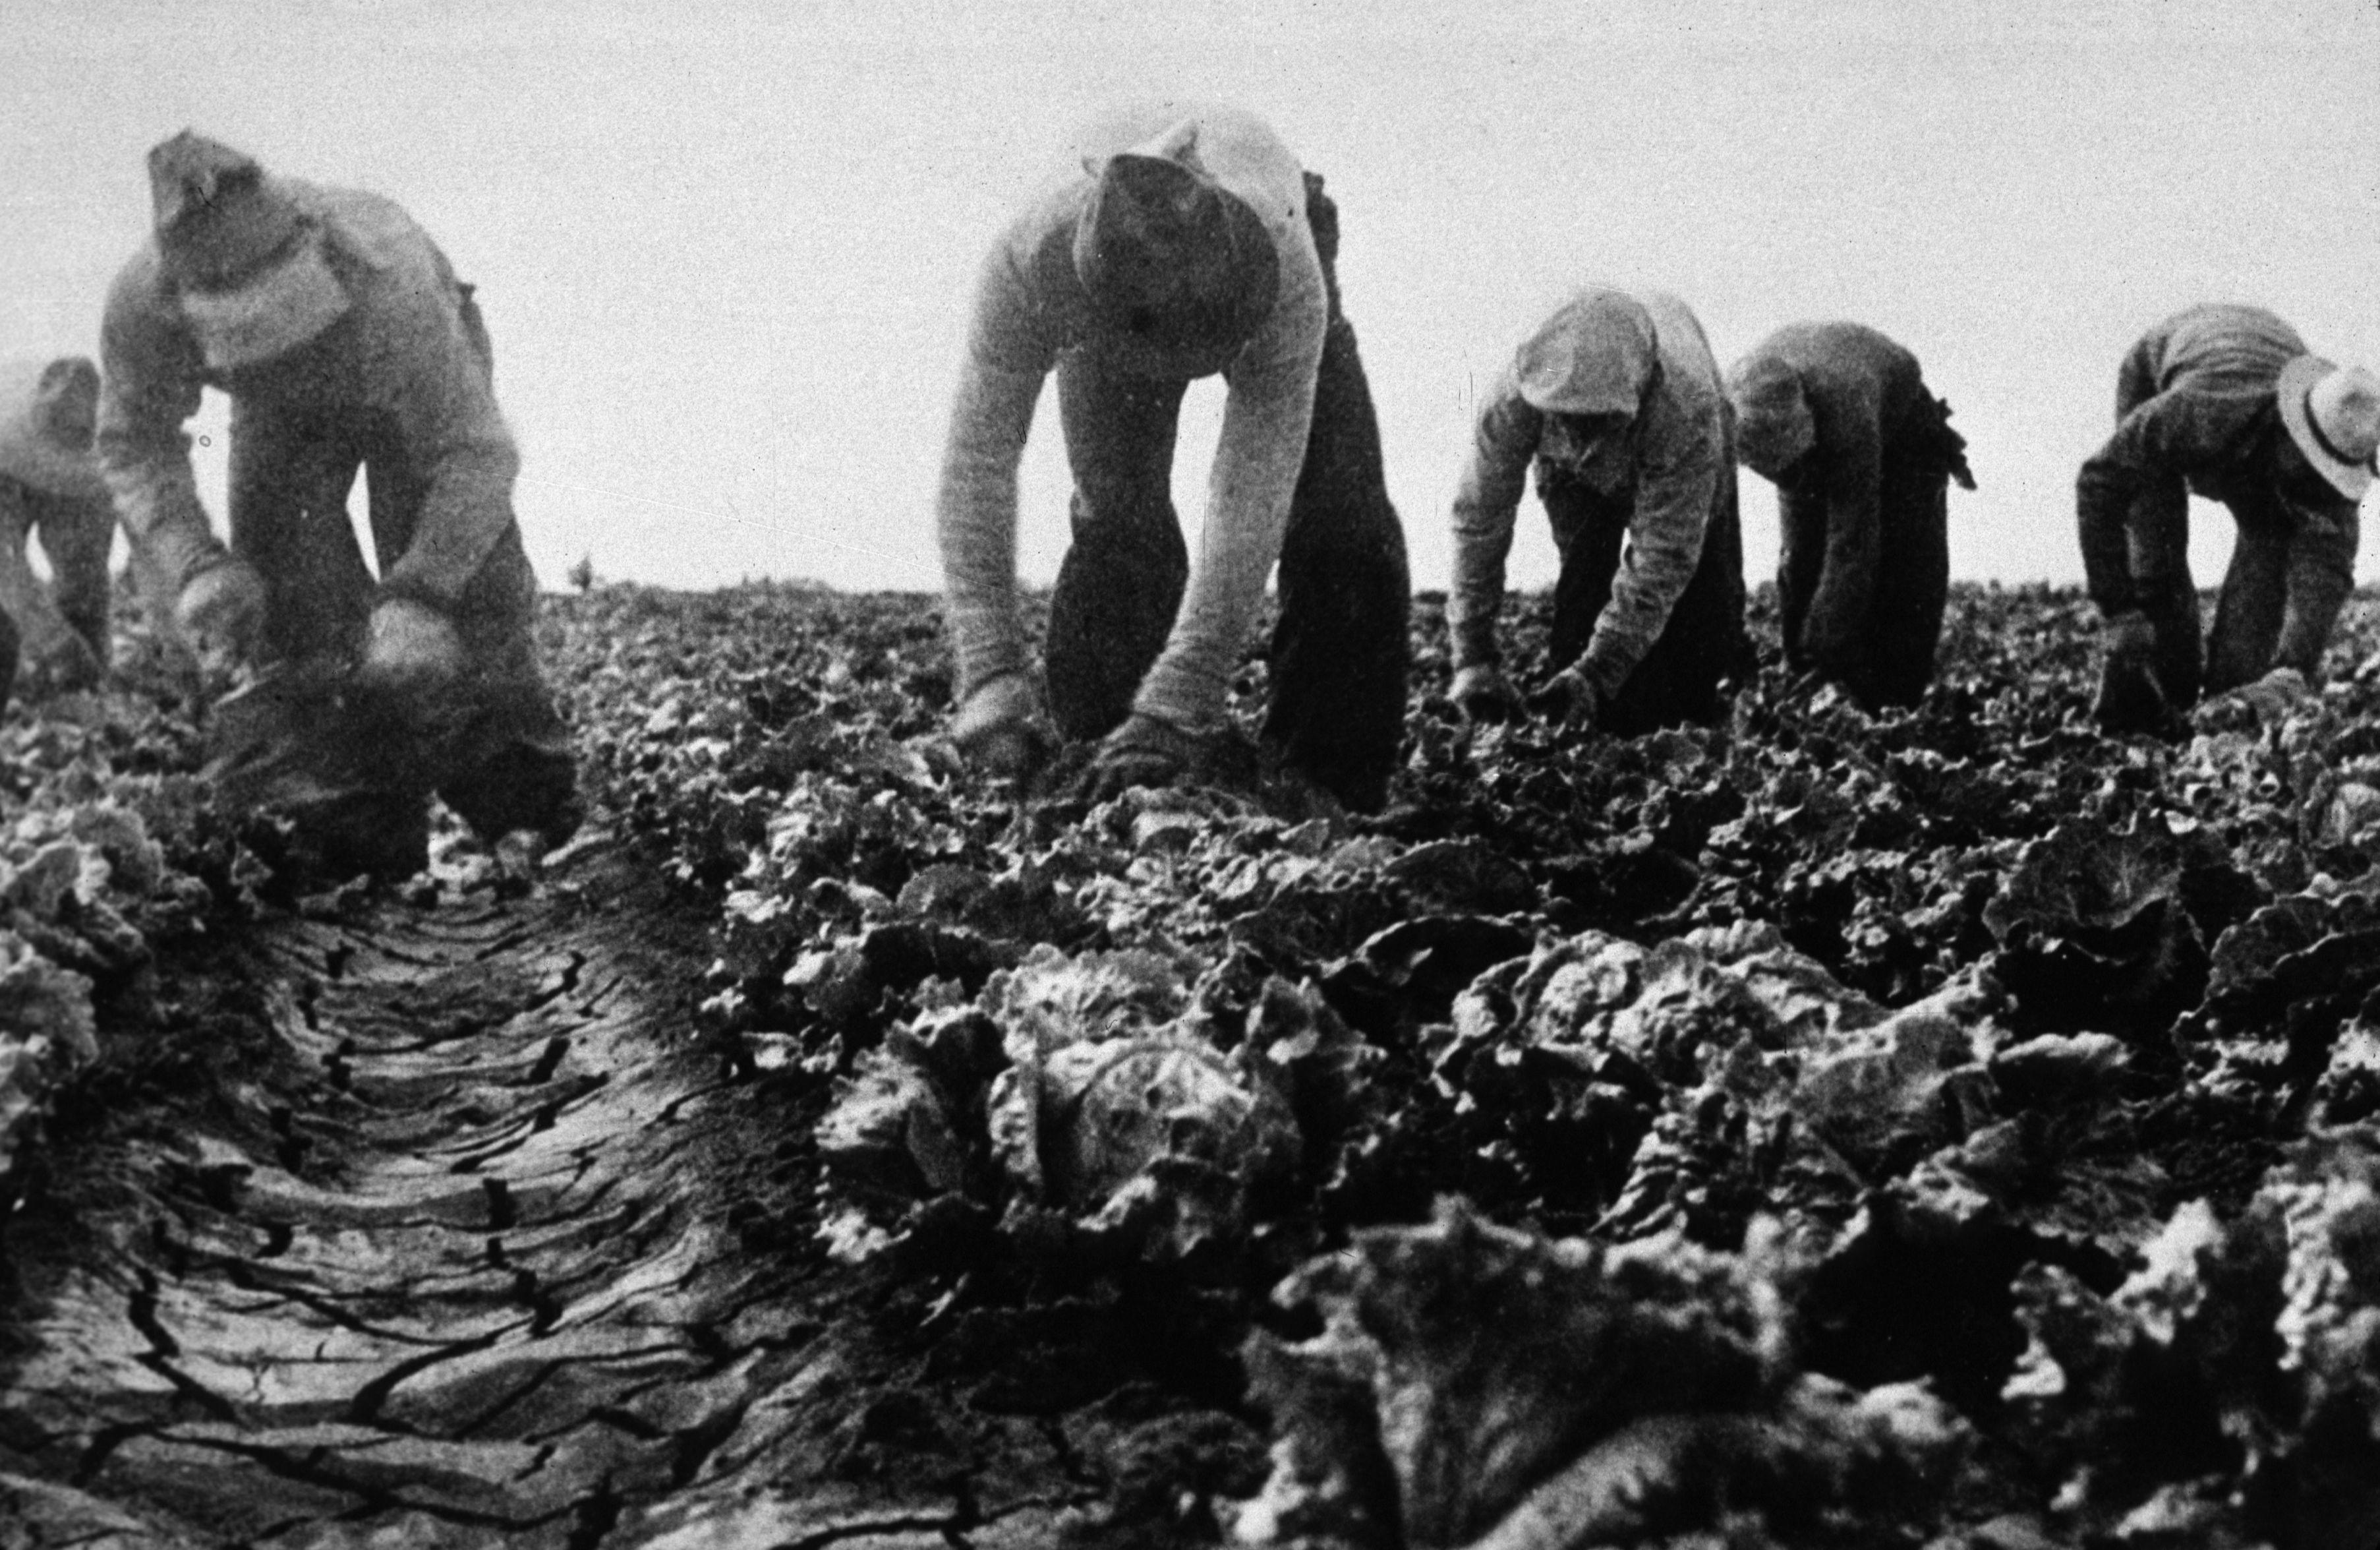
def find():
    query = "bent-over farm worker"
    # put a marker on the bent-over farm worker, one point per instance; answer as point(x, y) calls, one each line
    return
point(1839, 416)
point(2224, 402)
point(345, 341)
point(50, 486)
point(1179, 243)
point(1617, 401)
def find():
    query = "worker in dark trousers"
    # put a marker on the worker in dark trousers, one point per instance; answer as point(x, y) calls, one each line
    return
point(1615, 401)
point(2224, 402)
point(345, 343)
point(1177, 243)
point(1863, 455)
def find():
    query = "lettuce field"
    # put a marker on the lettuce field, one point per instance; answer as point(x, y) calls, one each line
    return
point(1952, 1127)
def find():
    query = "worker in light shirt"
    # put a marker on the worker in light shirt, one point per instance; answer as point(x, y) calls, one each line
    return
point(1616, 402)
point(1178, 242)
point(345, 343)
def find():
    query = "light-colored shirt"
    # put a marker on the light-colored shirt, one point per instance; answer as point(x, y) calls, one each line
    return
point(1030, 311)
point(1604, 353)
point(403, 349)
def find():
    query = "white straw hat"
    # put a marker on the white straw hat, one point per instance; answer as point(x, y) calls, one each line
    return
point(2333, 414)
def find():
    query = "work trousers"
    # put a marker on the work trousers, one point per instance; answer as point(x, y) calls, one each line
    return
point(1339, 649)
point(503, 758)
point(2291, 571)
point(1703, 642)
point(1892, 660)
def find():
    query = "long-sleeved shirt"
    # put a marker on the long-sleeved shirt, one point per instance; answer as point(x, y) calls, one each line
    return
point(2195, 412)
point(403, 348)
point(1030, 309)
point(1604, 354)
point(1862, 390)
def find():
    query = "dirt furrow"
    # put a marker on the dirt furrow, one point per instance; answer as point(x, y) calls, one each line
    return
point(453, 1263)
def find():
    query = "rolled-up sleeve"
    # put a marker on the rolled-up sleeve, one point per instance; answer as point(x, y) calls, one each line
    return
point(1487, 502)
point(1009, 352)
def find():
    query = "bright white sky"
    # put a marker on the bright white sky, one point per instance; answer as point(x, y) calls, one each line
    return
point(724, 249)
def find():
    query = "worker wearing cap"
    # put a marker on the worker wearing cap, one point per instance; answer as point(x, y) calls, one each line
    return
point(1839, 416)
point(1176, 243)
point(345, 341)
point(1616, 402)
point(50, 488)
point(2224, 402)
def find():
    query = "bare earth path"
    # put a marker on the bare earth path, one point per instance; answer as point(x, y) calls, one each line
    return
point(465, 1256)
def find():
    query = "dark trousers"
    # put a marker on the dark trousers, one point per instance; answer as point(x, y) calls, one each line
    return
point(1702, 643)
point(501, 755)
point(1893, 660)
point(1339, 652)
point(2291, 570)
point(75, 536)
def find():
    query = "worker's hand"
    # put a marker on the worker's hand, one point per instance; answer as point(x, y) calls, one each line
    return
point(221, 614)
point(1569, 698)
point(1484, 695)
point(1002, 728)
point(2131, 698)
point(411, 648)
point(2268, 701)
point(63, 660)
point(1145, 751)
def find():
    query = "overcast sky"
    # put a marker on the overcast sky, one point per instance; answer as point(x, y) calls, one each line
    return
point(724, 249)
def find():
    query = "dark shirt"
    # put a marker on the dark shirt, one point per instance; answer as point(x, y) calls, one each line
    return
point(1863, 390)
point(2195, 414)
point(1604, 353)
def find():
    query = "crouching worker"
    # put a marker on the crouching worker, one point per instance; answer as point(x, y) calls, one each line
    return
point(1617, 401)
point(1862, 455)
point(50, 487)
point(2225, 403)
point(1178, 243)
point(345, 342)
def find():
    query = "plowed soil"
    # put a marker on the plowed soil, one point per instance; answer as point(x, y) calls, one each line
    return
point(465, 1237)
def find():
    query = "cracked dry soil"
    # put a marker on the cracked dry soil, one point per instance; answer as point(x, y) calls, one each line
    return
point(474, 1242)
